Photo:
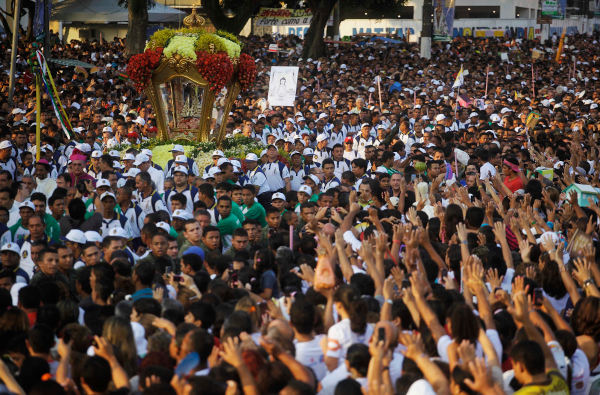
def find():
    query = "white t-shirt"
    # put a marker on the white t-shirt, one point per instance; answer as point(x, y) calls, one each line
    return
point(492, 334)
point(340, 337)
point(310, 354)
point(580, 381)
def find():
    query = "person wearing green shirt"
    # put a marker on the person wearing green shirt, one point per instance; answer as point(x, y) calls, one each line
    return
point(52, 227)
point(251, 208)
point(387, 160)
point(226, 221)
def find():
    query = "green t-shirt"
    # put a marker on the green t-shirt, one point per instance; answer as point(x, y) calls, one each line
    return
point(257, 212)
point(237, 211)
point(228, 225)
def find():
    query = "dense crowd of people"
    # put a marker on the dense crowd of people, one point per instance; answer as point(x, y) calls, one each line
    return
point(421, 239)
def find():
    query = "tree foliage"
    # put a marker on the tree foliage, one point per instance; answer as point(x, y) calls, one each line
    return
point(137, 24)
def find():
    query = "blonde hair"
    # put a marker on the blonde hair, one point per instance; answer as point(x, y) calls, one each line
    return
point(118, 332)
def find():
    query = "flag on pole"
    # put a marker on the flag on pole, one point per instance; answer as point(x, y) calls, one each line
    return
point(460, 78)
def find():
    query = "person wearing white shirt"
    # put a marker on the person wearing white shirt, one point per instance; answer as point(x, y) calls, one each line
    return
point(336, 134)
point(329, 179)
point(148, 198)
point(321, 152)
point(308, 348)
point(363, 139)
point(45, 184)
point(143, 163)
point(277, 173)
point(256, 175)
point(340, 163)
point(297, 172)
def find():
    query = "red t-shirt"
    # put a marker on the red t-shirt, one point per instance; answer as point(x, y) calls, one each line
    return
point(515, 184)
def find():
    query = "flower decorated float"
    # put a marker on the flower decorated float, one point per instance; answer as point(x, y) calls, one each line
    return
point(192, 78)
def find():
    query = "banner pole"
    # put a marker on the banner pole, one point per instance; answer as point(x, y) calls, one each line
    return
point(38, 116)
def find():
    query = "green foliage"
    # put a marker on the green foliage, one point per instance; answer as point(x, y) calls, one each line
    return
point(230, 37)
point(160, 39)
point(203, 43)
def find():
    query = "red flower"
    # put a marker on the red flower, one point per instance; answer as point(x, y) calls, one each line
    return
point(246, 71)
point(216, 68)
point(141, 66)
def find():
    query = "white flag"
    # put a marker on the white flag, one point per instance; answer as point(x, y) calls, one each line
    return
point(460, 78)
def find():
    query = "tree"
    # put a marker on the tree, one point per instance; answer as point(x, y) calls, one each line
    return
point(231, 16)
point(314, 46)
point(138, 23)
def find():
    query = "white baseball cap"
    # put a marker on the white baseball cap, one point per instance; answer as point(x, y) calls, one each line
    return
point(5, 144)
point(263, 153)
point(141, 158)
point(114, 154)
point(323, 115)
point(308, 152)
point(252, 157)
point(180, 169)
point(93, 237)
point(28, 204)
point(118, 232)
point(440, 117)
point(164, 226)
point(214, 170)
point(314, 178)
point(322, 137)
point(84, 147)
point(177, 148)
point(218, 152)
point(97, 154)
point(14, 247)
point(294, 153)
point(473, 115)
point(107, 129)
point(278, 195)
point(222, 160)
point(76, 236)
point(180, 159)
point(102, 182)
point(381, 169)
point(107, 194)
point(306, 189)
point(182, 214)
point(147, 152)
point(134, 171)
point(129, 156)
point(365, 125)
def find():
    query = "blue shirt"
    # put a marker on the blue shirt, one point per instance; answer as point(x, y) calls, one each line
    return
point(142, 294)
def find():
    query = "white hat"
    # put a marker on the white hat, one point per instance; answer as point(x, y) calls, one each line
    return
point(300, 119)
point(182, 214)
point(323, 115)
point(18, 111)
point(76, 236)
point(214, 170)
point(5, 144)
point(263, 153)
point(93, 237)
point(180, 169)
point(177, 148)
point(593, 106)
point(107, 129)
point(290, 120)
point(117, 164)
point(314, 178)
point(278, 195)
point(505, 110)
point(14, 247)
point(102, 182)
point(180, 159)
point(27, 203)
point(128, 156)
point(147, 152)
point(134, 171)
point(252, 157)
point(114, 154)
point(222, 160)
point(107, 194)
point(236, 163)
point(164, 226)
point(473, 114)
point(306, 189)
point(218, 152)
point(322, 137)
point(381, 169)
point(440, 117)
point(140, 121)
point(495, 118)
point(83, 147)
point(97, 154)
point(365, 125)
point(141, 158)
point(308, 152)
point(294, 153)
point(380, 127)
point(118, 232)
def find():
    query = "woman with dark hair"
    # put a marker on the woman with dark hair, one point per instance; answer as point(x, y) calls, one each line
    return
point(352, 328)
point(452, 217)
point(264, 265)
point(510, 170)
